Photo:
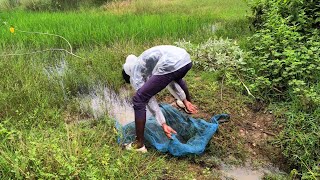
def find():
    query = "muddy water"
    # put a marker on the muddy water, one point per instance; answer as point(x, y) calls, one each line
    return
point(242, 173)
point(246, 172)
point(103, 101)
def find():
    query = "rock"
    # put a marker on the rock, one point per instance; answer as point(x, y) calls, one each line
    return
point(256, 125)
point(242, 132)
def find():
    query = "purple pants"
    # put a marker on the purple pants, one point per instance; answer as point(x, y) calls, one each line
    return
point(154, 85)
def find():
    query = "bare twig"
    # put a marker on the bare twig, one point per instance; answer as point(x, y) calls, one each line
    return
point(49, 34)
point(277, 90)
point(245, 86)
point(221, 87)
point(269, 133)
point(40, 51)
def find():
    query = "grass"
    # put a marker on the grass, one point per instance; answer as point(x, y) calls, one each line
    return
point(101, 28)
point(36, 140)
point(86, 150)
point(227, 10)
point(94, 27)
point(299, 138)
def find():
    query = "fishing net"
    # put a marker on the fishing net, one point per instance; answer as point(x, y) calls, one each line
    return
point(192, 134)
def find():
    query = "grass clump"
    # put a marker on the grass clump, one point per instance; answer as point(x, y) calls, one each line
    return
point(299, 141)
point(285, 49)
point(87, 150)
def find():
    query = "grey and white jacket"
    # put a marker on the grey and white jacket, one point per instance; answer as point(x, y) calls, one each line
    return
point(158, 60)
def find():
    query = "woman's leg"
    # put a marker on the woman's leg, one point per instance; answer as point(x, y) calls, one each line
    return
point(184, 87)
point(140, 100)
point(179, 75)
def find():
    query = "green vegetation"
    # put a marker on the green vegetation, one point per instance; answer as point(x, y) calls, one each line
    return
point(49, 5)
point(97, 28)
point(86, 150)
point(285, 60)
point(45, 134)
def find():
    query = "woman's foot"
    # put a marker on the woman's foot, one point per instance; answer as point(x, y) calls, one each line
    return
point(134, 147)
point(181, 105)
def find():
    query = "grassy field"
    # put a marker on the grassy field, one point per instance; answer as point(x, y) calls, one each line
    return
point(39, 133)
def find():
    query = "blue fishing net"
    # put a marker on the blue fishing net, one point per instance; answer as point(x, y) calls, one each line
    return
point(192, 134)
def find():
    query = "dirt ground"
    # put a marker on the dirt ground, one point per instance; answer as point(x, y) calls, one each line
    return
point(254, 127)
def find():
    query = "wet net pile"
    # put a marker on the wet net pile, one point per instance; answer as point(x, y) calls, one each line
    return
point(192, 134)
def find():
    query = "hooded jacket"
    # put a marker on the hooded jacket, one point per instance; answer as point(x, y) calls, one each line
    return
point(158, 60)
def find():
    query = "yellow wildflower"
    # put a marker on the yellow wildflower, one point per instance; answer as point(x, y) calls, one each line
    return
point(12, 29)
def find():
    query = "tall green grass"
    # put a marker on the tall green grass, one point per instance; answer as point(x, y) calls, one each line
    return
point(90, 29)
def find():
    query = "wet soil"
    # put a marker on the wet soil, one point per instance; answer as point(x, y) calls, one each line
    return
point(255, 127)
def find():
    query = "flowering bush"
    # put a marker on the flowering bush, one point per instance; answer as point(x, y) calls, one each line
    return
point(215, 54)
point(222, 56)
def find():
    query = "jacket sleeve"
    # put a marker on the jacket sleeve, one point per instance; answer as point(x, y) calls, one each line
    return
point(155, 110)
point(138, 79)
point(177, 92)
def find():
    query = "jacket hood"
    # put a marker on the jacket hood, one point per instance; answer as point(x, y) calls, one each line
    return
point(128, 66)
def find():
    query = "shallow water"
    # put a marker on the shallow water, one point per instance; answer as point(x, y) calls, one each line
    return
point(102, 101)
point(243, 173)
point(246, 172)
point(55, 73)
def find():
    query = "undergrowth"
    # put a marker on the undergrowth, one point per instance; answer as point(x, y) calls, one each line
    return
point(284, 60)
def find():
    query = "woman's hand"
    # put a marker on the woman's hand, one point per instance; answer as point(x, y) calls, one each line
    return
point(168, 130)
point(190, 107)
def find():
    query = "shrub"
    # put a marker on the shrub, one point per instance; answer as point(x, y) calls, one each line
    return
point(304, 13)
point(51, 5)
point(215, 54)
point(285, 50)
point(222, 56)
point(100, 2)
point(9, 4)
point(64, 4)
point(39, 5)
